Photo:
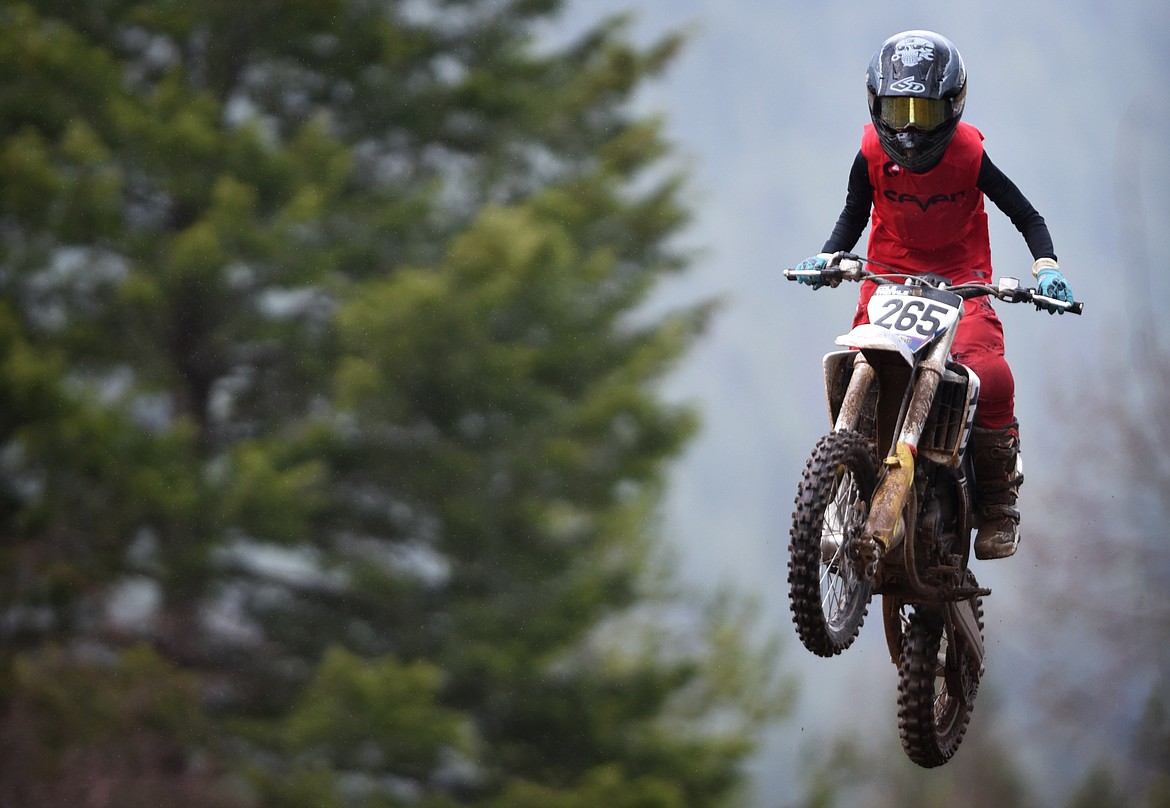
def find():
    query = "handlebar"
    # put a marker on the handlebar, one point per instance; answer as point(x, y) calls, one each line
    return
point(848, 267)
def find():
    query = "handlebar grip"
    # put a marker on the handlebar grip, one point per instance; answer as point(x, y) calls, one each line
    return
point(816, 274)
point(1075, 307)
point(829, 276)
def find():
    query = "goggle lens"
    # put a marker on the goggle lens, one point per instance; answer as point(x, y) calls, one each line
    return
point(903, 112)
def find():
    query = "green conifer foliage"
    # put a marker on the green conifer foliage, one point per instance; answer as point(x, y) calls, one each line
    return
point(324, 379)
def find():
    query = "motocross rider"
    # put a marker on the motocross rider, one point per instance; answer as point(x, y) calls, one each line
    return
point(924, 174)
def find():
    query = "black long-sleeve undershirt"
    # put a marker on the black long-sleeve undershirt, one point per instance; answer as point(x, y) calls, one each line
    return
point(994, 184)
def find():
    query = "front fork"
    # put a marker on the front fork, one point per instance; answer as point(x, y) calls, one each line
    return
point(886, 524)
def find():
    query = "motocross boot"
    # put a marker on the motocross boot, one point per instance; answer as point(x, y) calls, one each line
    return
point(995, 456)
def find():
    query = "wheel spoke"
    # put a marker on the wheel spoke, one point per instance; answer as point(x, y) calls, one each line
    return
point(837, 533)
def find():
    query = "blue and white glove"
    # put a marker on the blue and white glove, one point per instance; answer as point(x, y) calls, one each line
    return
point(817, 262)
point(1050, 282)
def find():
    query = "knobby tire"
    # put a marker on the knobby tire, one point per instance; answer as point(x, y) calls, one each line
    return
point(936, 689)
point(829, 599)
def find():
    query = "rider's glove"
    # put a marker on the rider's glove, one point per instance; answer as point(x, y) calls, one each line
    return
point(817, 262)
point(1051, 283)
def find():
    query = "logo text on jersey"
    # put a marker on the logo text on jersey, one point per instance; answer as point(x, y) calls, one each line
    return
point(915, 199)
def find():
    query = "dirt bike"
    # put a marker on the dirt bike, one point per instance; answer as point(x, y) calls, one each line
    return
point(886, 505)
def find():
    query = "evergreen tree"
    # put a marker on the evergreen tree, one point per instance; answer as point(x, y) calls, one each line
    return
point(322, 379)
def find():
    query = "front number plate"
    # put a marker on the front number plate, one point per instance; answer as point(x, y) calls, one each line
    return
point(913, 318)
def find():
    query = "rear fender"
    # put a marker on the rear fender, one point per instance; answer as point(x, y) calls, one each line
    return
point(966, 623)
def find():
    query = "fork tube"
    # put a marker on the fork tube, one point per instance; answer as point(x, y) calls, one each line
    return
point(930, 373)
point(849, 416)
point(885, 527)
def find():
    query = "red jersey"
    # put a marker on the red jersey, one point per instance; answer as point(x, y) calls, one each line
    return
point(934, 221)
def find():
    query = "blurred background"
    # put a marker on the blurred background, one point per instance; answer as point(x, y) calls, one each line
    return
point(401, 405)
point(767, 102)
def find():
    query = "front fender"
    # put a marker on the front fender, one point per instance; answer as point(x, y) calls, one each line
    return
point(867, 337)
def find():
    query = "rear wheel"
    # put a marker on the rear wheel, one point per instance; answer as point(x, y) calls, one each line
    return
point(829, 598)
point(937, 683)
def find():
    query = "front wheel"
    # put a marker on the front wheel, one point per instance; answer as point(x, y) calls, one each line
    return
point(829, 598)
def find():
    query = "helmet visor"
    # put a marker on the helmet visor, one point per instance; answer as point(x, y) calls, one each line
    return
point(902, 112)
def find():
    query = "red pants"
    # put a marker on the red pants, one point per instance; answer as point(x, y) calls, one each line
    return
point(979, 346)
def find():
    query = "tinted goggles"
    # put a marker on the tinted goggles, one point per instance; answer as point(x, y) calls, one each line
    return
point(902, 112)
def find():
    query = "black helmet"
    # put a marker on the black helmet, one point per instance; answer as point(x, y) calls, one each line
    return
point(917, 85)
